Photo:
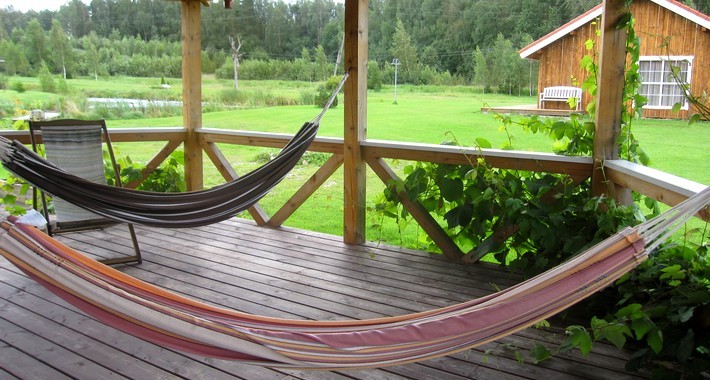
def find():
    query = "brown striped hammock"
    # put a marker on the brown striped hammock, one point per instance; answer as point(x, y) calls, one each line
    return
point(189, 209)
point(165, 318)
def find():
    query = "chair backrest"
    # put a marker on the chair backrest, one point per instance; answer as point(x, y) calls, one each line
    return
point(75, 146)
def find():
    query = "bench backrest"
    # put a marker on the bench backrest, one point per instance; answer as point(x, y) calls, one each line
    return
point(562, 92)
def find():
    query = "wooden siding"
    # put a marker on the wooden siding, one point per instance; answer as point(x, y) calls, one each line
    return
point(559, 62)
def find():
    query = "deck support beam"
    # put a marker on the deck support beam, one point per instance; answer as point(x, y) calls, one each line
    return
point(355, 124)
point(192, 92)
point(610, 92)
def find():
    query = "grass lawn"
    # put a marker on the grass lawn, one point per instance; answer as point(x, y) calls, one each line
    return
point(427, 114)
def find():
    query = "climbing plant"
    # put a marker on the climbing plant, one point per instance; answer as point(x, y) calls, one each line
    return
point(533, 221)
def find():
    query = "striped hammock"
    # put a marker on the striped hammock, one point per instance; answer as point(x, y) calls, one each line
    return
point(165, 318)
point(190, 209)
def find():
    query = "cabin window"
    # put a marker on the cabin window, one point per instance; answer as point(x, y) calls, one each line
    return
point(660, 86)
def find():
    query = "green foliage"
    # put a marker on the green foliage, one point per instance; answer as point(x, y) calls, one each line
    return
point(374, 76)
point(665, 306)
point(46, 79)
point(325, 91)
point(18, 86)
point(552, 217)
point(15, 193)
point(315, 158)
point(169, 177)
point(534, 221)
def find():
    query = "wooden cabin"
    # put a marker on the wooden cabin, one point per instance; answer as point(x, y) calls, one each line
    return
point(671, 33)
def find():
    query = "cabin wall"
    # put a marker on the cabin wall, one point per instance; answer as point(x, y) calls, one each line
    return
point(653, 24)
point(560, 61)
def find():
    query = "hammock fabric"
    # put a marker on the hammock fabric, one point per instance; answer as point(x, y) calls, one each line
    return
point(190, 209)
point(171, 320)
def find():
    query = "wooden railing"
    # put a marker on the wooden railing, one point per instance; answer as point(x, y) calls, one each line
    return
point(664, 187)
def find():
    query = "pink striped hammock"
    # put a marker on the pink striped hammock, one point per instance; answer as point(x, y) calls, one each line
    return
point(165, 318)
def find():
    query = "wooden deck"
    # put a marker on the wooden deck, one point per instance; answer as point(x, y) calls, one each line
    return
point(529, 109)
point(277, 272)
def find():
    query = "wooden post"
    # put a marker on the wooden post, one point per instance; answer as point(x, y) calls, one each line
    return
point(192, 92)
point(355, 119)
point(610, 91)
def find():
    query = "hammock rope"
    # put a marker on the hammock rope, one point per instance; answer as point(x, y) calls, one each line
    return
point(160, 316)
point(189, 209)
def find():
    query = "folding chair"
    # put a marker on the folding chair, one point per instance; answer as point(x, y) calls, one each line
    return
point(76, 146)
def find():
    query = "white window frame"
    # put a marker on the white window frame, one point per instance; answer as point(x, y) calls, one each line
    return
point(664, 60)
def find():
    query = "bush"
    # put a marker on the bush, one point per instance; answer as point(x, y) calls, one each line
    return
point(374, 76)
point(46, 80)
point(325, 91)
point(18, 86)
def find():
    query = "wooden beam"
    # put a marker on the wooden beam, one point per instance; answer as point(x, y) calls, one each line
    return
point(610, 89)
point(356, 32)
point(314, 183)
point(574, 166)
point(192, 92)
point(222, 164)
point(663, 187)
point(154, 163)
point(427, 222)
point(332, 145)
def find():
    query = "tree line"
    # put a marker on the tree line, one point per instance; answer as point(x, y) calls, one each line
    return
point(452, 41)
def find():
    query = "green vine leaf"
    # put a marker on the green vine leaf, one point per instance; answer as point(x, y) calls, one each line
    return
point(540, 353)
point(655, 340)
point(577, 336)
point(614, 332)
point(451, 189)
point(483, 143)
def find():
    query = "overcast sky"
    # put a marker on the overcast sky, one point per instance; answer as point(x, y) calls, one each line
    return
point(53, 5)
point(37, 5)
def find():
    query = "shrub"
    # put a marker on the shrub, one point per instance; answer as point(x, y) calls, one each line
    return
point(374, 76)
point(46, 80)
point(18, 86)
point(325, 91)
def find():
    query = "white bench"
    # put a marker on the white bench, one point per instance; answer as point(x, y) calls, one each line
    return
point(560, 94)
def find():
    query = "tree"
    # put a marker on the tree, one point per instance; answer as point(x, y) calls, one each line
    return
point(404, 50)
point(482, 70)
point(235, 58)
point(75, 15)
point(35, 44)
point(15, 61)
point(61, 50)
point(92, 58)
point(322, 63)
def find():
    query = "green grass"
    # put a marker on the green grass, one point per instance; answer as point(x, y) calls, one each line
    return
point(428, 114)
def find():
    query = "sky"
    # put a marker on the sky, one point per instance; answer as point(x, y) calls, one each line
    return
point(38, 5)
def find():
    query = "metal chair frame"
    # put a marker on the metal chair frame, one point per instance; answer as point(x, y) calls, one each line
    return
point(35, 132)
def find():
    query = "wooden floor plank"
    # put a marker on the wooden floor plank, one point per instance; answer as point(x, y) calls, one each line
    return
point(157, 361)
point(287, 273)
point(24, 366)
point(53, 355)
